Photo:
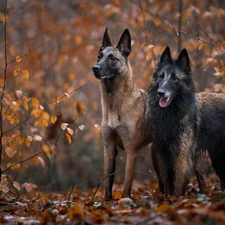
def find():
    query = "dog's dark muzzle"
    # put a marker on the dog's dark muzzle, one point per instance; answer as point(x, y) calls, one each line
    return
point(96, 68)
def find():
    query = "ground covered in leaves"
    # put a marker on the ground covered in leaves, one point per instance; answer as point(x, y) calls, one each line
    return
point(87, 207)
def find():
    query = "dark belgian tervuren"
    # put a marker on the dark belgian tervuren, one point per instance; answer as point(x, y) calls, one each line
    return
point(123, 109)
point(211, 135)
point(174, 119)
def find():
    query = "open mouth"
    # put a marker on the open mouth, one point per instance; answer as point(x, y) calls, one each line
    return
point(165, 101)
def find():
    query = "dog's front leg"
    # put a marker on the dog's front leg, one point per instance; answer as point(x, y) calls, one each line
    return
point(110, 152)
point(183, 168)
point(129, 171)
point(159, 167)
point(199, 176)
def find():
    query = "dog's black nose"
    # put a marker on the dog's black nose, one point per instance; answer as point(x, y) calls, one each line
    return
point(96, 68)
point(161, 92)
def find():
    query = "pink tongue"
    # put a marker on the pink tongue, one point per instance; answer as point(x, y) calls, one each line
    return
point(163, 102)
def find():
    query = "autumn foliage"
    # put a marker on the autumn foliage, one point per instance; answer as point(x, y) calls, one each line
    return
point(50, 113)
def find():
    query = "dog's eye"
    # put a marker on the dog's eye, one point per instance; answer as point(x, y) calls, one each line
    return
point(112, 58)
point(100, 55)
point(161, 75)
point(174, 77)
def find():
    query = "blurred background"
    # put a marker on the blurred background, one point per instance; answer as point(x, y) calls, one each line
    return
point(51, 110)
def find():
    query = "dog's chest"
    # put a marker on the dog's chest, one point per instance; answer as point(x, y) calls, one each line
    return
point(113, 119)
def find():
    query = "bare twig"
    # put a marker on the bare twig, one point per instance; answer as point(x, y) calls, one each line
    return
point(99, 184)
point(19, 14)
point(61, 97)
point(73, 187)
point(205, 33)
point(179, 30)
point(180, 5)
point(29, 51)
point(22, 161)
point(45, 106)
point(144, 29)
point(172, 27)
point(70, 192)
point(4, 84)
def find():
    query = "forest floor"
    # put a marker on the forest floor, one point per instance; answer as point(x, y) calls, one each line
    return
point(148, 206)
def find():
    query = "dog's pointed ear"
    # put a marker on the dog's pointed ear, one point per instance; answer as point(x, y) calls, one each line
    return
point(183, 60)
point(106, 40)
point(166, 56)
point(124, 44)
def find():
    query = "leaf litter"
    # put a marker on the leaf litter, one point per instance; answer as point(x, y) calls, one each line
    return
point(146, 206)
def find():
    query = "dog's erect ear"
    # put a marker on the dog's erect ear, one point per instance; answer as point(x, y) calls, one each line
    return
point(166, 56)
point(183, 60)
point(106, 40)
point(124, 44)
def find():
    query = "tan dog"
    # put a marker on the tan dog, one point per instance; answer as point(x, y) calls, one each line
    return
point(123, 109)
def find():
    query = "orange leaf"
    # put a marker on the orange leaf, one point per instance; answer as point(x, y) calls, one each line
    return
point(53, 119)
point(44, 122)
point(2, 82)
point(40, 160)
point(36, 113)
point(70, 131)
point(68, 137)
point(13, 166)
point(16, 72)
point(148, 56)
point(25, 105)
point(18, 58)
point(76, 212)
point(201, 46)
point(223, 44)
point(37, 122)
point(46, 149)
point(59, 99)
point(27, 142)
point(45, 115)
point(35, 103)
point(164, 208)
point(25, 74)
point(78, 39)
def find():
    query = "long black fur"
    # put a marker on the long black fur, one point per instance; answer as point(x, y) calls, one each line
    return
point(212, 130)
point(172, 125)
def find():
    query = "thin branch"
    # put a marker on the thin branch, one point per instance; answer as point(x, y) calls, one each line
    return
point(73, 187)
point(205, 32)
point(45, 106)
point(180, 5)
point(22, 161)
point(172, 27)
point(30, 50)
point(180, 31)
point(19, 14)
point(70, 192)
point(61, 97)
point(99, 184)
point(4, 85)
point(20, 124)
point(57, 139)
point(144, 29)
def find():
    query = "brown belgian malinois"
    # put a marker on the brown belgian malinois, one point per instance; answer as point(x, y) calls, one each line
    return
point(123, 109)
